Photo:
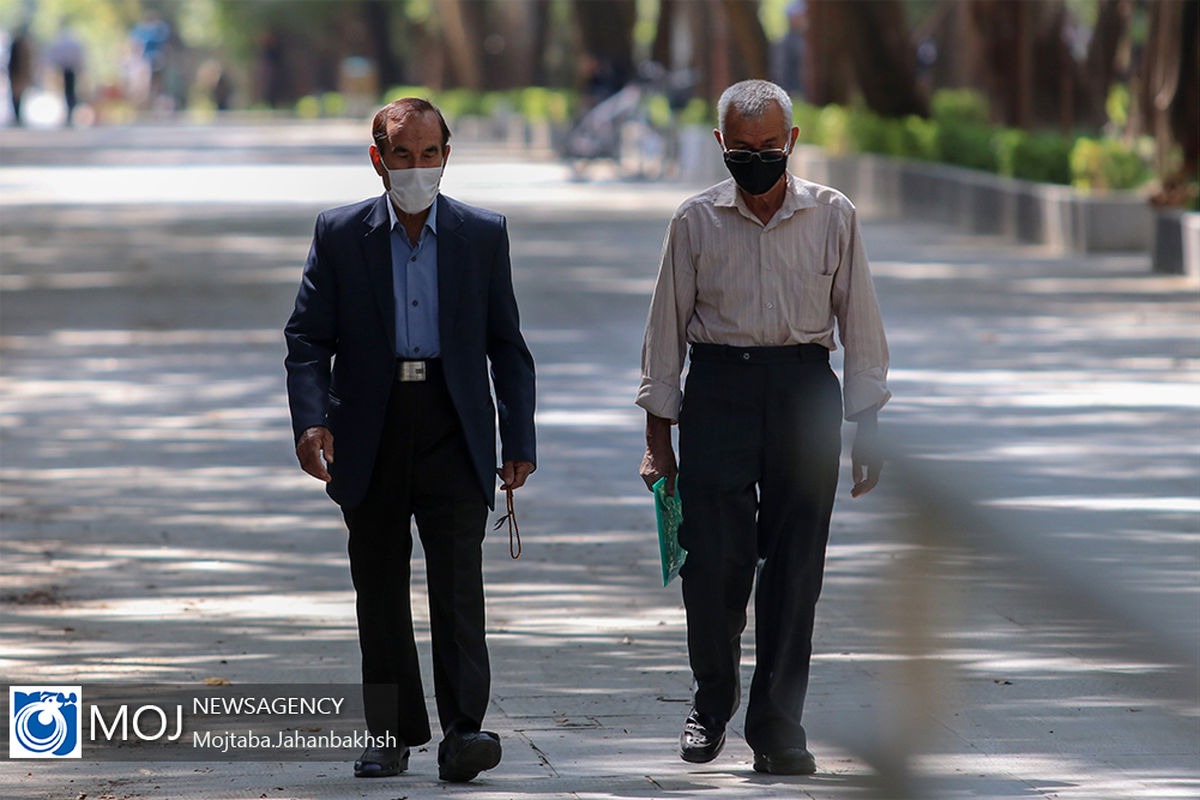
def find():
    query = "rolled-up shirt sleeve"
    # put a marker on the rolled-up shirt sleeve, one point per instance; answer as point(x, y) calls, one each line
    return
point(860, 325)
point(665, 345)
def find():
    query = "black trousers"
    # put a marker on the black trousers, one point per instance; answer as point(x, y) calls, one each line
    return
point(759, 444)
point(423, 470)
point(69, 94)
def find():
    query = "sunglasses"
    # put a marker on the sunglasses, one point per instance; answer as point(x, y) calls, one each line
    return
point(765, 156)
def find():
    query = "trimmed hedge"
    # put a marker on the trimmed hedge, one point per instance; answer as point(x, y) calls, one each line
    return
point(1044, 157)
point(1103, 164)
point(957, 133)
point(534, 103)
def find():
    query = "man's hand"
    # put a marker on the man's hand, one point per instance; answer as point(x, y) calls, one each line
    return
point(513, 474)
point(659, 459)
point(315, 451)
point(865, 458)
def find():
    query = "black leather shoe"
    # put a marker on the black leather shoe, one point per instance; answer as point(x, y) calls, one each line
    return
point(702, 739)
point(789, 761)
point(381, 762)
point(462, 756)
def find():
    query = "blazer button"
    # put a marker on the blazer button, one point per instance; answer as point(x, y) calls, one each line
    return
point(745, 356)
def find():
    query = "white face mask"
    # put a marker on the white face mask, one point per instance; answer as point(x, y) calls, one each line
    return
point(413, 190)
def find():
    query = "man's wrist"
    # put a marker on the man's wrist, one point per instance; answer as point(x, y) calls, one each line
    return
point(309, 432)
point(658, 431)
point(867, 419)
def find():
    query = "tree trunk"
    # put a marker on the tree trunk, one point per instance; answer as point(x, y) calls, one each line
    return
point(606, 31)
point(863, 44)
point(885, 57)
point(1021, 108)
point(747, 39)
point(1020, 56)
point(1112, 27)
point(829, 68)
point(509, 59)
point(461, 36)
point(378, 15)
point(1169, 94)
point(698, 32)
point(541, 41)
point(663, 48)
point(718, 45)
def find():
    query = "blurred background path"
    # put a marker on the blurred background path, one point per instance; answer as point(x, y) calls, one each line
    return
point(1011, 608)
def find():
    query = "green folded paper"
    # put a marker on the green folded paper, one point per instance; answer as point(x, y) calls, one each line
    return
point(669, 513)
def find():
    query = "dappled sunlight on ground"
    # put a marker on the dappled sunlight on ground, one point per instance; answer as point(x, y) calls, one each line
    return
point(157, 528)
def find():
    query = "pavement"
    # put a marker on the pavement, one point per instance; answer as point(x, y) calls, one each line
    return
point(1013, 613)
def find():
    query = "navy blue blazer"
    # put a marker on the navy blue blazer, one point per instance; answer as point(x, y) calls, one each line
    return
point(341, 340)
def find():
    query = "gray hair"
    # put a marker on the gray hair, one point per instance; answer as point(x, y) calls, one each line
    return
point(751, 99)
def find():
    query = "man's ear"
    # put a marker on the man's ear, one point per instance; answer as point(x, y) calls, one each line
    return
point(720, 141)
point(377, 162)
point(792, 139)
point(445, 154)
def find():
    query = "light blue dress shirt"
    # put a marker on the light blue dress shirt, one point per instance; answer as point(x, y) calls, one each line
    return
point(415, 287)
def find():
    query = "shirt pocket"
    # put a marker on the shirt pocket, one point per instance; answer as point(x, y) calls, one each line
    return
point(814, 305)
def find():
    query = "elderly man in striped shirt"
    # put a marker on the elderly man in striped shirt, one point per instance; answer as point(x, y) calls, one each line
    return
point(754, 273)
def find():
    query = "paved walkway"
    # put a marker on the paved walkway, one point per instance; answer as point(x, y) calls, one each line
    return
point(1010, 607)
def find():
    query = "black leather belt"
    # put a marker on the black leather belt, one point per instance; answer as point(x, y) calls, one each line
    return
point(759, 355)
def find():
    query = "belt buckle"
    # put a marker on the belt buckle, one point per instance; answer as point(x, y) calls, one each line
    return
point(412, 371)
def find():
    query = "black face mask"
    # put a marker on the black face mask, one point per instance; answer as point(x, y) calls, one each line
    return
point(755, 176)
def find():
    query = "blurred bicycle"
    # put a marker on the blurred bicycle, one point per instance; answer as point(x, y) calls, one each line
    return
point(633, 128)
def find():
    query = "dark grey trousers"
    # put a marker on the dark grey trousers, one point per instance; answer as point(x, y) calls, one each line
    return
point(759, 444)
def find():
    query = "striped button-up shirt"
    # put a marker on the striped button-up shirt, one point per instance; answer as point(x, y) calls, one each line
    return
point(726, 278)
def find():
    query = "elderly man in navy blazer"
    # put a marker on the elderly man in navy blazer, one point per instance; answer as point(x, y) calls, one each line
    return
point(405, 300)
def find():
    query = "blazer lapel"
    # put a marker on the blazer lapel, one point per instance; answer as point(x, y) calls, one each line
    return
point(452, 253)
point(377, 250)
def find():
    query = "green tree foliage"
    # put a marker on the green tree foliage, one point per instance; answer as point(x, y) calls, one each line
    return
point(1106, 164)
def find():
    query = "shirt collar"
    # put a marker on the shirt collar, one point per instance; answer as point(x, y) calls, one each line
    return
point(430, 221)
point(798, 196)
